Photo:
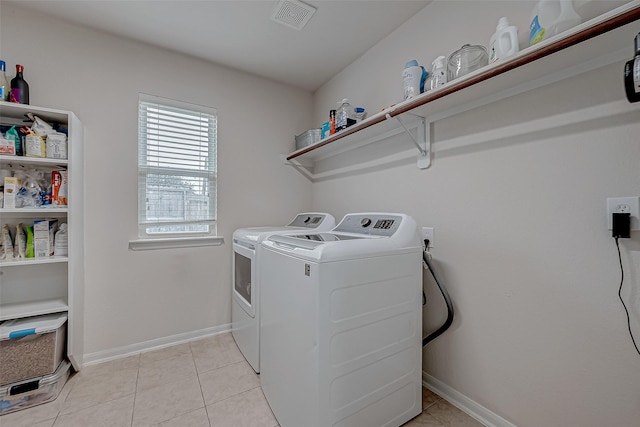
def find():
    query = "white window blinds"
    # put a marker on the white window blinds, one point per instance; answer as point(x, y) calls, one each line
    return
point(177, 160)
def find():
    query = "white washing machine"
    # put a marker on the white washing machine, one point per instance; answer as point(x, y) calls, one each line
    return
point(341, 323)
point(245, 306)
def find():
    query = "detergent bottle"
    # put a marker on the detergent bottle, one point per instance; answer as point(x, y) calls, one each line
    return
point(413, 78)
point(551, 17)
point(504, 42)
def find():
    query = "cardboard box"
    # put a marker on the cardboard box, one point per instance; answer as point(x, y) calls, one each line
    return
point(7, 147)
point(59, 187)
point(11, 187)
point(44, 231)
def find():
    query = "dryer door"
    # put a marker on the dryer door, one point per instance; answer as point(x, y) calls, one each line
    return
point(244, 275)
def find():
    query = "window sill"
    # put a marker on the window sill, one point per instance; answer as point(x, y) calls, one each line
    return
point(177, 242)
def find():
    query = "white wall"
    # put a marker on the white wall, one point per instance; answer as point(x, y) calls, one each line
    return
point(133, 297)
point(540, 337)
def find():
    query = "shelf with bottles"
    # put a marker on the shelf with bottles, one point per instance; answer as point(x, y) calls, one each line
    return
point(47, 284)
point(601, 41)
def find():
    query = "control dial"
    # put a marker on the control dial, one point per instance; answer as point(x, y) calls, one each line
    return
point(365, 222)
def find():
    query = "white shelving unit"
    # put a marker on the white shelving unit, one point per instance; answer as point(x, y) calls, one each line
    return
point(596, 43)
point(35, 286)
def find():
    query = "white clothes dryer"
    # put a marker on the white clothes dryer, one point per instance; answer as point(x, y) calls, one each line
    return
point(341, 324)
point(245, 305)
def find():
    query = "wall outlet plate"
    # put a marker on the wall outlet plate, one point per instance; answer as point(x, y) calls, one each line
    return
point(624, 205)
point(427, 233)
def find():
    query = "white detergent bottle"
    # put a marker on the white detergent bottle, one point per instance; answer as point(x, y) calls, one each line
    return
point(413, 78)
point(438, 72)
point(504, 42)
point(551, 17)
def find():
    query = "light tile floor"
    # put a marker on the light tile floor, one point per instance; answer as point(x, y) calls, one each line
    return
point(205, 383)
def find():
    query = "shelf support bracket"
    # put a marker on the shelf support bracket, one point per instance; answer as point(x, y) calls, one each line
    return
point(422, 142)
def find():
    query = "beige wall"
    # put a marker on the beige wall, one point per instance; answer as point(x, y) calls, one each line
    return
point(516, 194)
point(520, 238)
point(134, 297)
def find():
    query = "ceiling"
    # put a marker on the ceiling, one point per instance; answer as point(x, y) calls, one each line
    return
point(240, 33)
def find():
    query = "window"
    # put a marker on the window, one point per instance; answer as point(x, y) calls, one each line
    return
point(177, 170)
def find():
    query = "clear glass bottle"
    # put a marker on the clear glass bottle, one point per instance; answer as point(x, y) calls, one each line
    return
point(19, 87)
point(5, 87)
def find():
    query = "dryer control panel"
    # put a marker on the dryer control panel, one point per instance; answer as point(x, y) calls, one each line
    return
point(377, 224)
point(310, 220)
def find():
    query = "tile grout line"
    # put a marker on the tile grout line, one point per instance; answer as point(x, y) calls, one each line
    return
point(206, 411)
point(439, 399)
point(135, 393)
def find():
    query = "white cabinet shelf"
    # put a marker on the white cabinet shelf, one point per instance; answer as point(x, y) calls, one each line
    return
point(32, 308)
point(32, 161)
point(33, 261)
point(36, 286)
point(601, 41)
point(37, 211)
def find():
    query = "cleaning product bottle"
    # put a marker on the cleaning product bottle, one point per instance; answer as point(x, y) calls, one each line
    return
point(551, 17)
point(344, 115)
point(504, 42)
point(5, 86)
point(413, 78)
point(438, 72)
point(332, 122)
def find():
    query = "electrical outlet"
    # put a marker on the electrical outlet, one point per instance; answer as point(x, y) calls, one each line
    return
point(427, 233)
point(624, 205)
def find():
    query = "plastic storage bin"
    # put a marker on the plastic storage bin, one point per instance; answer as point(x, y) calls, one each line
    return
point(31, 347)
point(307, 138)
point(35, 391)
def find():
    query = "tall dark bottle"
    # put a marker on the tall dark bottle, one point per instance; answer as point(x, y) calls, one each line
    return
point(19, 87)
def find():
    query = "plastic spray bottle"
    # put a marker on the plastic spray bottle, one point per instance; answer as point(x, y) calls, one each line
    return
point(438, 72)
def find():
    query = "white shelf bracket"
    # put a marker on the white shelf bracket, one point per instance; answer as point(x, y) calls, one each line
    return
point(422, 142)
point(304, 169)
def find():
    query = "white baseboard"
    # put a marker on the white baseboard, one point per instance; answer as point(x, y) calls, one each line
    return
point(462, 402)
point(133, 349)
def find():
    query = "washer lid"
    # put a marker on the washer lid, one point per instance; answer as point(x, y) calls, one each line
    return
point(316, 221)
point(357, 236)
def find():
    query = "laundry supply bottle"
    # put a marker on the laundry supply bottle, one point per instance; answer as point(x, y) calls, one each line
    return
point(438, 72)
point(332, 122)
point(504, 42)
point(413, 79)
point(5, 86)
point(344, 115)
point(551, 17)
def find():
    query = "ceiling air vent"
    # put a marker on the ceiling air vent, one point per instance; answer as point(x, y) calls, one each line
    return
point(292, 13)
